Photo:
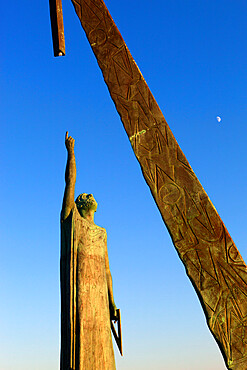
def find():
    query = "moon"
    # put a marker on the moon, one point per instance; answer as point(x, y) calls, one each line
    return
point(218, 119)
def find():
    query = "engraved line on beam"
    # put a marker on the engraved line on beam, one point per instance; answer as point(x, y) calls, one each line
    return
point(137, 134)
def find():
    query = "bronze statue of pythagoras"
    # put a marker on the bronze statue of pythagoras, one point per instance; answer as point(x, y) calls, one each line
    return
point(87, 303)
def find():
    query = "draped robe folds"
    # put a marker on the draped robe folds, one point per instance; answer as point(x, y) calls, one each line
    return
point(86, 342)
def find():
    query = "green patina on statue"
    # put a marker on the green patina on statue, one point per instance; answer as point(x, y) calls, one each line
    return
point(87, 302)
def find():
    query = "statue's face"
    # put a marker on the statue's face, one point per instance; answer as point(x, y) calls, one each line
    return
point(86, 202)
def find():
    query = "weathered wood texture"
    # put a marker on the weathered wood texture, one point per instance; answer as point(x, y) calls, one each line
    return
point(212, 261)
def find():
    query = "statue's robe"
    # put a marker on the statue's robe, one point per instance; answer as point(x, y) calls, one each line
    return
point(86, 342)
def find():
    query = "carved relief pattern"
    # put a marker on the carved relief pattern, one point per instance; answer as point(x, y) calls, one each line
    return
point(211, 259)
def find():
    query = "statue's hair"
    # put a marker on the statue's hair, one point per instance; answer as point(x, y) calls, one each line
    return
point(82, 202)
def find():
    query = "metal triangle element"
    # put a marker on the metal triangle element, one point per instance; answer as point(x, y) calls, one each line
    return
point(118, 336)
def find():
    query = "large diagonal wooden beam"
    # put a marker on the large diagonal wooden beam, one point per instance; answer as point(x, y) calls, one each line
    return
point(212, 261)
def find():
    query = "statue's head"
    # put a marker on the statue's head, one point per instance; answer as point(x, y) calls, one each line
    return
point(86, 202)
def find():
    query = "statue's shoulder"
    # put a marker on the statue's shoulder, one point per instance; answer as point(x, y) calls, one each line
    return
point(103, 230)
point(100, 229)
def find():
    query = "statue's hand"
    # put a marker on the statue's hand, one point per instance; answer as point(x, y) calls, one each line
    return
point(113, 312)
point(69, 142)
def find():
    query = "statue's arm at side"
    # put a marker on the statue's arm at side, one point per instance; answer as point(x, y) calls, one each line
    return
point(112, 306)
point(70, 178)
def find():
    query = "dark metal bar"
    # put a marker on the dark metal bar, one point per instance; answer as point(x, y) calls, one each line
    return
point(56, 15)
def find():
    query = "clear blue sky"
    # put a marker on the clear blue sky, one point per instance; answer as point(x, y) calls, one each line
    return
point(193, 56)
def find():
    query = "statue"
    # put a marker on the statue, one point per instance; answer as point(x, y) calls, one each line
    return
point(87, 302)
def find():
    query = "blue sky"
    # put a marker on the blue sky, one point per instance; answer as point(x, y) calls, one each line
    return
point(193, 57)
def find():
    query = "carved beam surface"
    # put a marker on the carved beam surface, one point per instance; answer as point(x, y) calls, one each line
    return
point(212, 261)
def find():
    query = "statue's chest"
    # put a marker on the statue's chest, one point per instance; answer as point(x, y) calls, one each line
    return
point(91, 240)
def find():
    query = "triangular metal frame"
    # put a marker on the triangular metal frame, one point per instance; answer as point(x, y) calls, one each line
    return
point(117, 336)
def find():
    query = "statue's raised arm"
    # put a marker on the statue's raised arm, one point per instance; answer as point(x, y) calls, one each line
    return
point(70, 178)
